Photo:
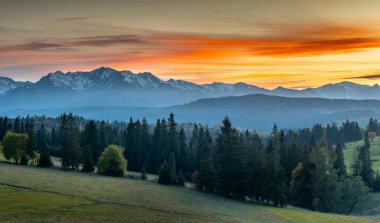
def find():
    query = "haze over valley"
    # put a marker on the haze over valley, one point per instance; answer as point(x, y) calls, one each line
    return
point(109, 94)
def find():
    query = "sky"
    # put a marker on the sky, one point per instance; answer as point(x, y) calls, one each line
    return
point(268, 43)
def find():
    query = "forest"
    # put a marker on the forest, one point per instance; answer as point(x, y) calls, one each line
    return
point(300, 167)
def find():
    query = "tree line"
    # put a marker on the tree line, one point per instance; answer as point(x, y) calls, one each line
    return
point(302, 167)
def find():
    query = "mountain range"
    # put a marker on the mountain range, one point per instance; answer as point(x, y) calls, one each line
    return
point(103, 80)
point(110, 94)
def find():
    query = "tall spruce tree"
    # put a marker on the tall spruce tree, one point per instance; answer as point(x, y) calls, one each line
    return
point(17, 125)
point(88, 164)
point(173, 138)
point(31, 147)
point(239, 162)
point(90, 139)
point(163, 142)
point(300, 193)
point(69, 139)
point(255, 167)
point(130, 145)
point(154, 158)
point(45, 160)
point(324, 180)
point(3, 127)
point(172, 168)
point(339, 164)
point(139, 146)
point(103, 135)
point(275, 190)
point(206, 176)
point(192, 161)
point(164, 173)
point(144, 145)
point(362, 164)
point(54, 137)
point(183, 150)
point(227, 142)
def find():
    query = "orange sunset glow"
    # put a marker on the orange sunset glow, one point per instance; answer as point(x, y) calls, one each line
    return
point(299, 44)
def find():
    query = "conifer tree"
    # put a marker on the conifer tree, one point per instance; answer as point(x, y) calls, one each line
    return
point(144, 147)
point(192, 161)
point(90, 139)
point(138, 146)
point(54, 137)
point(275, 190)
point(154, 157)
point(163, 142)
point(239, 168)
point(227, 141)
point(362, 165)
point(22, 127)
point(372, 125)
point(173, 138)
point(164, 173)
point(324, 180)
point(3, 127)
point(294, 157)
point(317, 132)
point(206, 176)
point(172, 169)
point(183, 150)
point(255, 167)
point(17, 125)
point(31, 147)
point(88, 165)
point(103, 135)
point(69, 138)
point(339, 164)
point(129, 144)
point(300, 193)
point(45, 160)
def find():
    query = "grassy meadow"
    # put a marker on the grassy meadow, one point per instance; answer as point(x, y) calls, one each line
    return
point(30, 194)
point(375, 152)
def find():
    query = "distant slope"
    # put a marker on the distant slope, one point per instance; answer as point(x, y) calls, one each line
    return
point(251, 111)
point(49, 195)
point(349, 151)
point(261, 111)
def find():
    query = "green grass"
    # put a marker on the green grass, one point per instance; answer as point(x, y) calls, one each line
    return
point(375, 152)
point(50, 195)
point(31, 206)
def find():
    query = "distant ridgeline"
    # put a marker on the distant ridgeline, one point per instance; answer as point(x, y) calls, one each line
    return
point(109, 94)
point(303, 167)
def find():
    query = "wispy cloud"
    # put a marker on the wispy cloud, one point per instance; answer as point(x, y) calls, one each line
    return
point(77, 18)
point(200, 56)
point(372, 76)
point(93, 41)
point(31, 46)
point(106, 40)
point(295, 41)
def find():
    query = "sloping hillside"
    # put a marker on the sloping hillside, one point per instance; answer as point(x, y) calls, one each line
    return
point(33, 195)
point(375, 152)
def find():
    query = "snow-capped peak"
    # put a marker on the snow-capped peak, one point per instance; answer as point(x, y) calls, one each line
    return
point(7, 84)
